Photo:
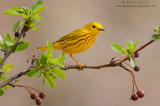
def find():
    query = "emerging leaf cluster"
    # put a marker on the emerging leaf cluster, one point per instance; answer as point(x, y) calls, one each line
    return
point(48, 68)
point(30, 15)
point(156, 36)
point(129, 51)
point(4, 75)
point(7, 43)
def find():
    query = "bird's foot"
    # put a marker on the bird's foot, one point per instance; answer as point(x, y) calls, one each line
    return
point(80, 66)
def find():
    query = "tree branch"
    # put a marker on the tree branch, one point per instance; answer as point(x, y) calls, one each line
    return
point(142, 47)
point(14, 77)
point(110, 64)
point(7, 54)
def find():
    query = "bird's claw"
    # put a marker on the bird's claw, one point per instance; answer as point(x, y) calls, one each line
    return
point(80, 67)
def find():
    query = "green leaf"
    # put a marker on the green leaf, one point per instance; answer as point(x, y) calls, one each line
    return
point(16, 26)
point(26, 11)
point(43, 59)
point(59, 72)
point(31, 25)
point(8, 44)
point(22, 46)
point(13, 11)
point(50, 81)
point(53, 76)
point(58, 61)
point(129, 53)
point(134, 45)
point(33, 73)
point(156, 29)
point(36, 16)
point(8, 67)
point(24, 16)
point(35, 19)
point(35, 28)
point(37, 63)
point(155, 37)
point(42, 84)
point(36, 4)
point(2, 46)
point(14, 40)
point(1, 60)
point(49, 52)
point(6, 87)
point(1, 40)
point(38, 10)
point(7, 37)
point(133, 62)
point(4, 77)
point(1, 91)
point(118, 48)
point(129, 44)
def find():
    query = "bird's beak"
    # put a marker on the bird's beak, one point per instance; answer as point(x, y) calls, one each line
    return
point(101, 29)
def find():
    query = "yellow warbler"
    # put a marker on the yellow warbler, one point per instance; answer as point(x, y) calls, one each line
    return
point(78, 40)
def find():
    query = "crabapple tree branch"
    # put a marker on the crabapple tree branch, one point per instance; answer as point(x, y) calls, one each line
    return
point(68, 67)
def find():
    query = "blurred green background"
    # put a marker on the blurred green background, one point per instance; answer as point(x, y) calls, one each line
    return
point(103, 87)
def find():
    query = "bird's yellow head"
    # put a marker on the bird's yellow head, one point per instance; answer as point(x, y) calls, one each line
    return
point(94, 27)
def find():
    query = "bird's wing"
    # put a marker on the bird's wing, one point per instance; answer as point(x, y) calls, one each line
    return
point(69, 39)
point(73, 35)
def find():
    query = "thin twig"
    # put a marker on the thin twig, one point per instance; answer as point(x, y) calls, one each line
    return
point(14, 77)
point(142, 47)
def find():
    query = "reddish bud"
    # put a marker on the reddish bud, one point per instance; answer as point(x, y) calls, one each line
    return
point(134, 97)
point(140, 93)
point(136, 55)
point(34, 96)
point(38, 101)
point(42, 95)
point(136, 68)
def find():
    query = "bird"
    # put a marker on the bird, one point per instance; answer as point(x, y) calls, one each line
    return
point(77, 41)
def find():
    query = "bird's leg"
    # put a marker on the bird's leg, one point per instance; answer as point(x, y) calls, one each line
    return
point(80, 65)
point(63, 61)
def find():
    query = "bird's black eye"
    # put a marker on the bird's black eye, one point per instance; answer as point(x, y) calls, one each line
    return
point(94, 26)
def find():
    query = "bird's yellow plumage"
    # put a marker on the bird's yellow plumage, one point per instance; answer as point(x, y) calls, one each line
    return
point(78, 40)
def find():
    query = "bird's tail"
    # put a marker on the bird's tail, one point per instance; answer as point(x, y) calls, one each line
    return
point(54, 46)
point(43, 48)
